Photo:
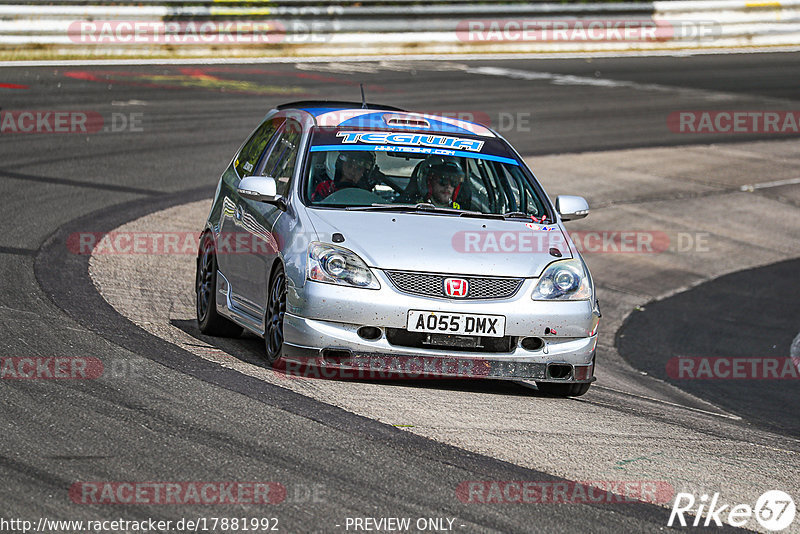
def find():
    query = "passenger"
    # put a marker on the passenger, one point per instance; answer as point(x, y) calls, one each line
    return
point(353, 169)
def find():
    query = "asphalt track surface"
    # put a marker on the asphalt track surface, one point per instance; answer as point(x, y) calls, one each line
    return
point(181, 418)
point(747, 314)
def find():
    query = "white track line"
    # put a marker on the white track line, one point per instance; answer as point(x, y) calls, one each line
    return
point(653, 399)
point(565, 79)
point(724, 415)
point(766, 185)
point(398, 57)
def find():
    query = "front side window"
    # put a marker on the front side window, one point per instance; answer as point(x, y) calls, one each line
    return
point(476, 175)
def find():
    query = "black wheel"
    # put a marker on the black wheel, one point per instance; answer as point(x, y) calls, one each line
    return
point(563, 390)
point(276, 309)
point(210, 321)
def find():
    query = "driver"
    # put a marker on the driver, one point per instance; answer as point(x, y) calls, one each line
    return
point(353, 169)
point(441, 182)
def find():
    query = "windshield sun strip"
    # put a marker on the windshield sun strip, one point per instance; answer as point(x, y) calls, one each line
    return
point(414, 150)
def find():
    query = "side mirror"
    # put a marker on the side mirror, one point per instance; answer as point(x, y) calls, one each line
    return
point(571, 207)
point(261, 189)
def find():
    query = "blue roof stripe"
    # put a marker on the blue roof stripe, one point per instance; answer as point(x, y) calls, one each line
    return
point(319, 111)
point(375, 120)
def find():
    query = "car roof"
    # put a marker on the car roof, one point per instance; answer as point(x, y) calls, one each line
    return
point(306, 105)
point(328, 113)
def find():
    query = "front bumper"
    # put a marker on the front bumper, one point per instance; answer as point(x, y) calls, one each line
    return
point(381, 360)
point(322, 322)
point(388, 308)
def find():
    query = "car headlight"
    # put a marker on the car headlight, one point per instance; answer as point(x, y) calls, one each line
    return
point(337, 265)
point(563, 280)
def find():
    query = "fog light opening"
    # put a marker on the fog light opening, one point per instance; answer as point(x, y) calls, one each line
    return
point(532, 343)
point(559, 371)
point(335, 356)
point(370, 333)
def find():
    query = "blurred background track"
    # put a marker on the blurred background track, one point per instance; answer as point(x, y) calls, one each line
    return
point(31, 29)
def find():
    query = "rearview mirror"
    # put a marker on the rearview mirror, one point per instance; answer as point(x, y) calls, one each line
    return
point(261, 189)
point(571, 207)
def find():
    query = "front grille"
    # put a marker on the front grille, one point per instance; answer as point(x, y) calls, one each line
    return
point(432, 285)
point(422, 340)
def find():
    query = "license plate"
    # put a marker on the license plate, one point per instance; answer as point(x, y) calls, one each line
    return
point(462, 324)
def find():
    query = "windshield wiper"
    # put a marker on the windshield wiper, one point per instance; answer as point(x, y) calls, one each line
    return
point(481, 215)
point(516, 215)
point(428, 207)
point(422, 206)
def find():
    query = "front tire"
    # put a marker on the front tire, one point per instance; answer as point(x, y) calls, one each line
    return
point(273, 321)
point(208, 319)
point(563, 390)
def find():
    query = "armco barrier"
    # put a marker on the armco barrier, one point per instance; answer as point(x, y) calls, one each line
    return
point(60, 28)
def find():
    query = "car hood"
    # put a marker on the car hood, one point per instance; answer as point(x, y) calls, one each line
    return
point(443, 243)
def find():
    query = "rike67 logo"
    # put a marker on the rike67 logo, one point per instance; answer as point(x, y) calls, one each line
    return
point(774, 510)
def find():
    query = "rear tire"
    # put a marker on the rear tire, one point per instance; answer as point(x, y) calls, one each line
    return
point(210, 322)
point(273, 321)
point(563, 390)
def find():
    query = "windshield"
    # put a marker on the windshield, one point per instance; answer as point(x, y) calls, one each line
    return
point(361, 169)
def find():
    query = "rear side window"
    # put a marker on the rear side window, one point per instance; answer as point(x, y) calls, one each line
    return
point(247, 159)
point(283, 156)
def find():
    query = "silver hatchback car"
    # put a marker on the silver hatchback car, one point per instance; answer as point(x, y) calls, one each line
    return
point(366, 238)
